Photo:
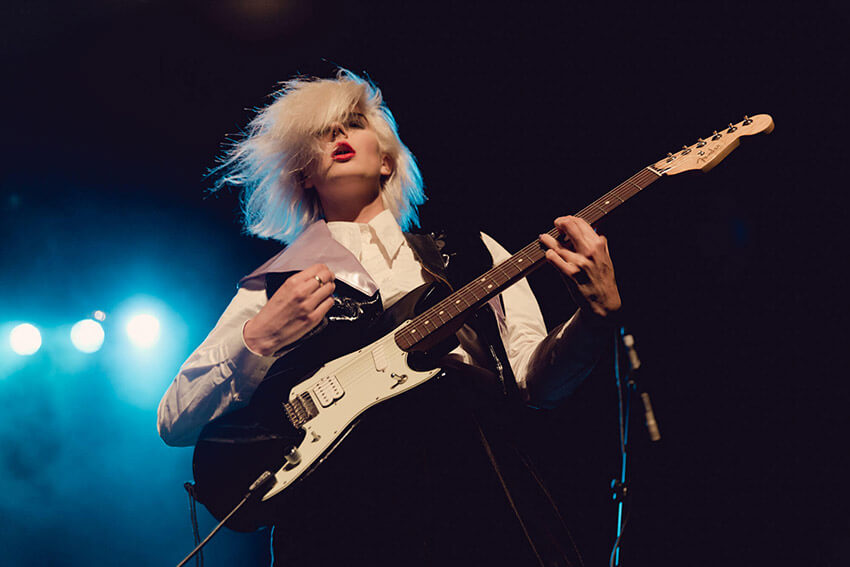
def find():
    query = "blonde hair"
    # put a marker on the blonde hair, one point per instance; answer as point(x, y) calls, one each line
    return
point(272, 160)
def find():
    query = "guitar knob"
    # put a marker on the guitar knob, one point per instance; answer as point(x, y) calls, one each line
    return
point(292, 456)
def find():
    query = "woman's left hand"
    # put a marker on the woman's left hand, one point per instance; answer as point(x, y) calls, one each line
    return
point(586, 265)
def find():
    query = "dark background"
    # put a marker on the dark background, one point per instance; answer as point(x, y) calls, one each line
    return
point(733, 281)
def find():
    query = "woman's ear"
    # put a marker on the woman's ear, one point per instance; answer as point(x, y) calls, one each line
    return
point(305, 180)
point(386, 165)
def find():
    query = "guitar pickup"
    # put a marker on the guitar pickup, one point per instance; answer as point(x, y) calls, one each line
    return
point(328, 390)
point(379, 358)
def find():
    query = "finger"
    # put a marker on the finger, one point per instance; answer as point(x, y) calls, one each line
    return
point(567, 268)
point(580, 233)
point(317, 270)
point(323, 308)
point(311, 280)
point(320, 296)
point(568, 255)
point(552, 243)
point(315, 316)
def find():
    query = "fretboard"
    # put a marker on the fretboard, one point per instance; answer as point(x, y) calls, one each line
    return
point(444, 318)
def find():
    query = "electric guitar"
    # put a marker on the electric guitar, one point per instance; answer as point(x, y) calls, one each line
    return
point(321, 408)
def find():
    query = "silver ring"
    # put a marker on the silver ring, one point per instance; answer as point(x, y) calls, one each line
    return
point(318, 279)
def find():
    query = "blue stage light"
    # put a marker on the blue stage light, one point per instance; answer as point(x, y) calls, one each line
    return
point(87, 335)
point(25, 339)
point(143, 330)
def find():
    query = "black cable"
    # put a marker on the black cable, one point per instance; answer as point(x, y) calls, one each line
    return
point(193, 516)
point(261, 482)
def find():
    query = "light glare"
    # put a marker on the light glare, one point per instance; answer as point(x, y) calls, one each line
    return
point(87, 335)
point(25, 339)
point(143, 330)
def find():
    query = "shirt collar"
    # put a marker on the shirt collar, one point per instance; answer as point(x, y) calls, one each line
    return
point(316, 245)
point(388, 232)
point(383, 228)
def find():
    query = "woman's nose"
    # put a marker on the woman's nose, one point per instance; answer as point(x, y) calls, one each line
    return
point(337, 129)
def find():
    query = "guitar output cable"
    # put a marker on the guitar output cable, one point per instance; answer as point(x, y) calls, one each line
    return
point(261, 482)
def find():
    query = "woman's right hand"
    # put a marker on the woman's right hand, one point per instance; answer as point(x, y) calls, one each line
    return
point(294, 309)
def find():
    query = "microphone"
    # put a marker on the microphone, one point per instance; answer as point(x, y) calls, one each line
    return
point(634, 362)
point(629, 341)
point(651, 424)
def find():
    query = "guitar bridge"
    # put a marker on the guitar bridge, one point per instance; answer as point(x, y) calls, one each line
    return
point(301, 410)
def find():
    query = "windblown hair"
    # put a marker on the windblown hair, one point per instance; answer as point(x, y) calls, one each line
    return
point(272, 160)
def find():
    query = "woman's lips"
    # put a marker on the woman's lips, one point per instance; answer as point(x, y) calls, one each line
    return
point(343, 152)
point(343, 157)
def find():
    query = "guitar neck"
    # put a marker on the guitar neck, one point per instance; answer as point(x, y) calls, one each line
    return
point(438, 322)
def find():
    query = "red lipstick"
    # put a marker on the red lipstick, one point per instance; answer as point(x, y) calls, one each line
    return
point(342, 152)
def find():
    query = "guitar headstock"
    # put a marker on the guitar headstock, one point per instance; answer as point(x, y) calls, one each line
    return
point(708, 152)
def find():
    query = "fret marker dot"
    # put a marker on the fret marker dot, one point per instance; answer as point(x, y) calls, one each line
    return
point(606, 202)
point(412, 330)
point(483, 279)
point(441, 312)
point(426, 322)
point(489, 286)
point(458, 301)
point(519, 259)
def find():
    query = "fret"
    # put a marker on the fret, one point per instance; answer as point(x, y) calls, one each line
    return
point(507, 265)
point(458, 305)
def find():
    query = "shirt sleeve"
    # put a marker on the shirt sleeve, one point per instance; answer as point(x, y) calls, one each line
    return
point(547, 366)
point(221, 375)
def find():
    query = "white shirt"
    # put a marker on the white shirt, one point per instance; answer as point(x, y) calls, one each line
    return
point(223, 373)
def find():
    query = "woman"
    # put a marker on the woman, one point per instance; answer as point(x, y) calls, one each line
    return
point(323, 170)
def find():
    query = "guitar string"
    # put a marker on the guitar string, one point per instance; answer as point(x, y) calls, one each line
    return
point(468, 292)
point(627, 189)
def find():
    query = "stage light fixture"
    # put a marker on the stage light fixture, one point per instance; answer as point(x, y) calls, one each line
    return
point(25, 339)
point(143, 330)
point(87, 335)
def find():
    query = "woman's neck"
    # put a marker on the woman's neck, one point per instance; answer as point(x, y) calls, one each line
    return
point(353, 211)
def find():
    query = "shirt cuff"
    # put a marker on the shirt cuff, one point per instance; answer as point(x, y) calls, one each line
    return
point(250, 365)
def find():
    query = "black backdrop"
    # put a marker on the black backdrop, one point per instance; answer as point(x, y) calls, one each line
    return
point(732, 281)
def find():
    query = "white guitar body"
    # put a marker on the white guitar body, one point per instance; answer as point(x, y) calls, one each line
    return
point(332, 399)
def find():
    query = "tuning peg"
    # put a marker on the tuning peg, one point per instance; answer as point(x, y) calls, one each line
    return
point(700, 142)
point(747, 120)
point(731, 129)
point(716, 136)
point(685, 150)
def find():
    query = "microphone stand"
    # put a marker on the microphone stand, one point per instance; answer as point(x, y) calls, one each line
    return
point(619, 486)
